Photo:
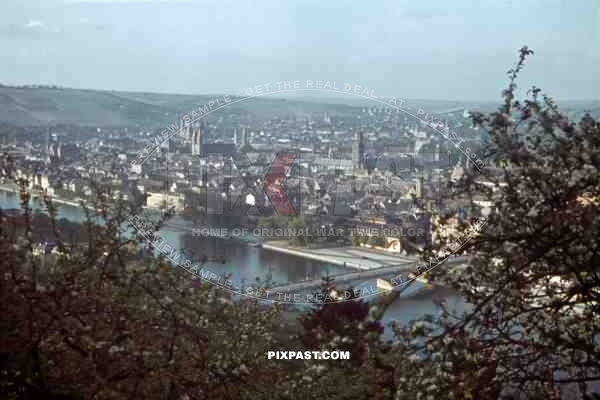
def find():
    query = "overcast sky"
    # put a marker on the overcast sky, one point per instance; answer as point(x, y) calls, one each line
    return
point(426, 49)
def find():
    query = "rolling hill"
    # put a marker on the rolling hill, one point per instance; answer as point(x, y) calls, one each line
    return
point(45, 106)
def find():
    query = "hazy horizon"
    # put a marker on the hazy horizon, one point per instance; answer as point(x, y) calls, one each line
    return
point(427, 50)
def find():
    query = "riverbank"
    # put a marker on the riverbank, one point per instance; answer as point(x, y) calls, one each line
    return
point(349, 257)
point(207, 231)
point(14, 190)
point(245, 263)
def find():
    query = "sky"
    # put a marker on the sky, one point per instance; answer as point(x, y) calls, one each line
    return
point(417, 49)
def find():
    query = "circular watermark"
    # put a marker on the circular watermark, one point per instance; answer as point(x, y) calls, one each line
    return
point(388, 277)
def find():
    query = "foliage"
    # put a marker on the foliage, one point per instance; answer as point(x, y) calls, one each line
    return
point(102, 318)
point(356, 239)
point(531, 330)
point(334, 318)
point(339, 320)
point(96, 321)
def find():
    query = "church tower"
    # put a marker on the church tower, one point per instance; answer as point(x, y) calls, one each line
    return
point(358, 150)
point(197, 141)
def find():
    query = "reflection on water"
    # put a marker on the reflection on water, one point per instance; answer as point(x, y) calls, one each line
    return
point(246, 264)
point(404, 310)
point(10, 200)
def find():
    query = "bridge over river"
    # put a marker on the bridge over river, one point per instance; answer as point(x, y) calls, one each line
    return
point(367, 274)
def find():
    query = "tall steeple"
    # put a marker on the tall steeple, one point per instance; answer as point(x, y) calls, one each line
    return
point(190, 129)
point(244, 141)
point(47, 150)
point(358, 149)
point(197, 141)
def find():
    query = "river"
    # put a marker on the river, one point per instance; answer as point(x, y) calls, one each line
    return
point(246, 264)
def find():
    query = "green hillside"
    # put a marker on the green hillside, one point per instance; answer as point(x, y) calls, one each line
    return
point(40, 106)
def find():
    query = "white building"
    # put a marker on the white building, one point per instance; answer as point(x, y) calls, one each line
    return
point(158, 200)
point(136, 168)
